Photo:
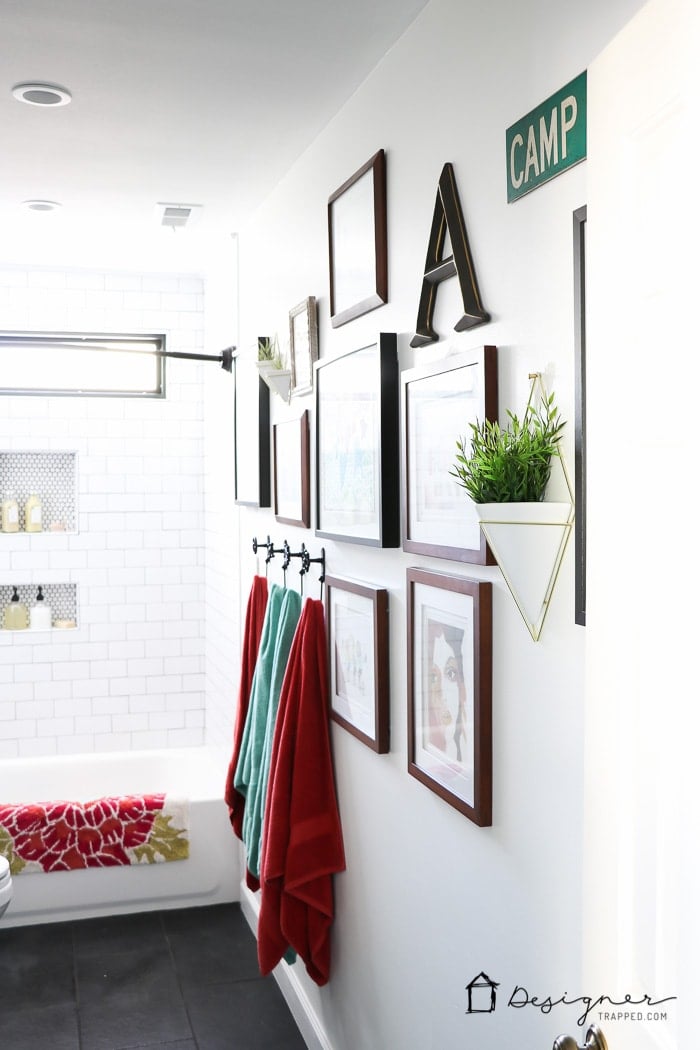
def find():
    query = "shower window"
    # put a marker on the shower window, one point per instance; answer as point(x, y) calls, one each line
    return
point(82, 364)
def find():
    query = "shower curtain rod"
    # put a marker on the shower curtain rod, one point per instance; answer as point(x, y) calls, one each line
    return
point(225, 358)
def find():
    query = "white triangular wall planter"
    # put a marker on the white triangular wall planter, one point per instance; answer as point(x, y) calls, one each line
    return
point(528, 541)
point(279, 380)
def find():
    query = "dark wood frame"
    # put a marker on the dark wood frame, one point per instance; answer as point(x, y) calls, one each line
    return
point(580, 217)
point(262, 497)
point(303, 518)
point(484, 360)
point(379, 597)
point(378, 282)
point(382, 379)
point(480, 593)
point(309, 309)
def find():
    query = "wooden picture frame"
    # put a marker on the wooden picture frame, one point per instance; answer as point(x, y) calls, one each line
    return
point(449, 689)
point(303, 345)
point(292, 499)
point(252, 480)
point(357, 243)
point(438, 402)
point(357, 618)
point(580, 217)
point(357, 445)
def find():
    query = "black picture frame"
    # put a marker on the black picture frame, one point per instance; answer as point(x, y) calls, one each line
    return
point(438, 402)
point(579, 232)
point(357, 243)
point(357, 445)
point(252, 473)
point(450, 653)
point(357, 618)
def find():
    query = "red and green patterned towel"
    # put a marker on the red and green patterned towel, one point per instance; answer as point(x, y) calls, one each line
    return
point(66, 836)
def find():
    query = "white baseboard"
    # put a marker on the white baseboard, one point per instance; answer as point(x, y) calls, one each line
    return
point(308, 1021)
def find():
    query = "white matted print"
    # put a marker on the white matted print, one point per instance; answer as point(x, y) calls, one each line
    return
point(439, 402)
point(357, 616)
point(449, 675)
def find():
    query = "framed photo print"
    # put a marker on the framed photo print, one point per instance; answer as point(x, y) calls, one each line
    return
point(291, 458)
point(358, 659)
point(303, 344)
point(357, 243)
point(357, 439)
point(449, 689)
point(438, 402)
point(252, 437)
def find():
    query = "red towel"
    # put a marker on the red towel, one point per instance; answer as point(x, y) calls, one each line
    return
point(255, 614)
point(302, 836)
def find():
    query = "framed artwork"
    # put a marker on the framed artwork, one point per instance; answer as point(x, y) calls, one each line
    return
point(580, 216)
point(449, 689)
point(357, 243)
point(438, 402)
point(251, 437)
point(291, 459)
point(357, 616)
point(357, 445)
point(303, 344)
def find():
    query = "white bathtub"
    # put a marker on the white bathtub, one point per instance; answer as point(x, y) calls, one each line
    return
point(211, 874)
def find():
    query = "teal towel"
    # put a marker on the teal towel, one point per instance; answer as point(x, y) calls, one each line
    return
point(288, 620)
point(254, 730)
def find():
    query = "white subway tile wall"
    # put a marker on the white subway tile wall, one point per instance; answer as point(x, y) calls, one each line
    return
point(132, 674)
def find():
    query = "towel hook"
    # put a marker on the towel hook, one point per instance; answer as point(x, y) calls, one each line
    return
point(307, 561)
point(289, 554)
point(258, 543)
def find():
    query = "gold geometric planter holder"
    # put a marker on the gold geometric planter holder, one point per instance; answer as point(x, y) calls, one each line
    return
point(528, 541)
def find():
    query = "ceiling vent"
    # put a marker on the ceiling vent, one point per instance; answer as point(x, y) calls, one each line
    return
point(177, 215)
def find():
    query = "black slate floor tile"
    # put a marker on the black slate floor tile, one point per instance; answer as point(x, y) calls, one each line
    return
point(211, 945)
point(148, 972)
point(244, 1015)
point(36, 966)
point(123, 1021)
point(117, 933)
point(39, 1028)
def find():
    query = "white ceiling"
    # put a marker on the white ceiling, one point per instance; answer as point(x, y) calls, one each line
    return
point(203, 102)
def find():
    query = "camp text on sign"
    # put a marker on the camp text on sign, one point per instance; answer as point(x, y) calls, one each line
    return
point(547, 140)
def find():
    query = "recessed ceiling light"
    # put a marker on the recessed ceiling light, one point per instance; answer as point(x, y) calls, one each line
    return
point(36, 94)
point(42, 206)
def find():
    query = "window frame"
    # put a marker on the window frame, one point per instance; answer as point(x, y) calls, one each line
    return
point(101, 340)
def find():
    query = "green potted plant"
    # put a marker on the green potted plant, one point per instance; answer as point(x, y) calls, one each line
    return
point(511, 464)
point(271, 366)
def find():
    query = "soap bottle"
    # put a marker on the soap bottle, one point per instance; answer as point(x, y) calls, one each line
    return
point(40, 614)
point(32, 514)
point(10, 513)
point(15, 618)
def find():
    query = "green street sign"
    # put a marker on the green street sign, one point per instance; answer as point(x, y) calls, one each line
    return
point(547, 140)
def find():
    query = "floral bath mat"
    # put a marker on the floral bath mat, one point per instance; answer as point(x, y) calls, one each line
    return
point(107, 832)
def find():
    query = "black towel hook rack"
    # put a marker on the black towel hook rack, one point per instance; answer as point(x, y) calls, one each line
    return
point(306, 562)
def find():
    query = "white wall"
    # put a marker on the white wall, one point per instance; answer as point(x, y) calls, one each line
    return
point(132, 675)
point(429, 900)
point(221, 523)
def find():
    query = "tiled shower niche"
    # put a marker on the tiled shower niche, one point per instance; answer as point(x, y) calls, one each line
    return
point(52, 476)
point(61, 598)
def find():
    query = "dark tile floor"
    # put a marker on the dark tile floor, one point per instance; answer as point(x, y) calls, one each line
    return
point(178, 980)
